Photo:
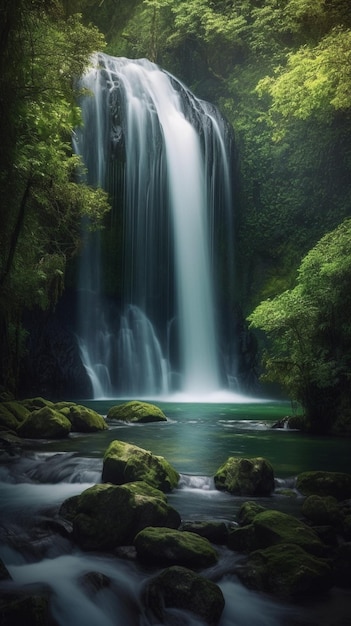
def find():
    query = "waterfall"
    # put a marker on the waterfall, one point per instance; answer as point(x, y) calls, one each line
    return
point(164, 157)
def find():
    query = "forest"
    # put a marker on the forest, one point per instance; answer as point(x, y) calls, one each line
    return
point(280, 72)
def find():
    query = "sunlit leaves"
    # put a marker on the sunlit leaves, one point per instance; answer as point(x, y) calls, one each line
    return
point(309, 325)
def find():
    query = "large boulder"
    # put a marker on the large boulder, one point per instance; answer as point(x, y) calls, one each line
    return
point(321, 510)
point(270, 528)
point(252, 477)
point(106, 516)
point(7, 420)
point(180, 588)
point(174, 547)
point(136, 411)
point(124, 462)
point(83, 419)
point(287, 571)
point(336, 484)
point(45, 423)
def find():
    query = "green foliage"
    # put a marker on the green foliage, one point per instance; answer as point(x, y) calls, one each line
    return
point(310, 331)
point(42, 53)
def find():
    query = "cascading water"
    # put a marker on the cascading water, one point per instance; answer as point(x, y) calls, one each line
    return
point(165, 158)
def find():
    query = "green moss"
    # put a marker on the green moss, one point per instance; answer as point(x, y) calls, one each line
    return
point(135, 411)
point(125, 462)
point(322, 510)
point(245, 476)
point(83, 419)
point(45, 423)
point(166, 545)
point(288, 571)
point(336, 484)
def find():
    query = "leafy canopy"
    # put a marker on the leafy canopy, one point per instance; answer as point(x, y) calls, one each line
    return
point(309, 329)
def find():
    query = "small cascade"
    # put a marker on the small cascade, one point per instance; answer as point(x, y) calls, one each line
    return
point(165, 158)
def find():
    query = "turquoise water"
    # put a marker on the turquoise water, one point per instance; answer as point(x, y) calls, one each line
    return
point(198, 438)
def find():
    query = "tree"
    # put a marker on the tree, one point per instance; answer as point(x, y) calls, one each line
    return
point(42, 54)
point(309, 331)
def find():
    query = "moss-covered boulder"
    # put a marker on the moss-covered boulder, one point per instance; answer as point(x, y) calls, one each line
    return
point(17, 409)
point(215, 532)
point(321, 510)
point(174, 547)
point(7, 420)
point(124, 462)
point(252, 477)
point(288, 571)
point(45, 423)
point(181, 588)
point(136, 411)
point(270, 528)
point(83, 419)
point(336, 484)
point(248, 511)
point(106, 516)
point(33, 404)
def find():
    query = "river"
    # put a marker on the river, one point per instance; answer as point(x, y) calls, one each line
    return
point(196, 440)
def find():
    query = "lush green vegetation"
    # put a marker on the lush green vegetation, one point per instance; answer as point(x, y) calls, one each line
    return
point(280, 71)
point(42, 52)
point(310, 332)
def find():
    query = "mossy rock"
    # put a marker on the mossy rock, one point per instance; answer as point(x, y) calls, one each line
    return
point(274, 527)
point(181, 588)
point(17, 409)
point(174, 547)
point(215, 532)
point(83, 419)
point(251, 477)
point(7, 419)
point(45, 423)
point(248, 512)
point(136, 411)
point(321, 510)
point(107, 516)
point(124, 462)
point(32, 404)
point(336, 484)
point(288, 571)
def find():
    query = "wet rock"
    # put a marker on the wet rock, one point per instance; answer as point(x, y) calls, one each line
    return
point(174, 547)
point(124, 462)
point(45, 423)
point(180, 588)
point(95, 581)
point(248, 512)
point(107, 516)
point(19, 607)
point(274, 527)
point(215, 532)
point(135, 411)
point(336, 484)
point(253, 477)
point(83, 419)
point(322, 510)
point(8, 422)
point(287, 571)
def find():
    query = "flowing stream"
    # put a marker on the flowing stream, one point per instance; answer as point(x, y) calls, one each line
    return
point(166, 159)
point(38, 550)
